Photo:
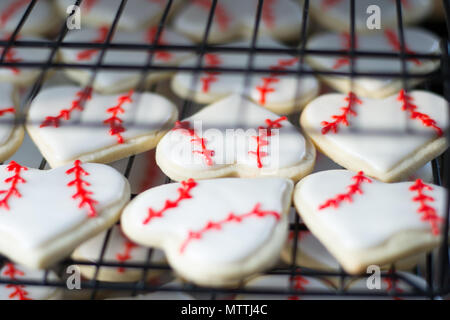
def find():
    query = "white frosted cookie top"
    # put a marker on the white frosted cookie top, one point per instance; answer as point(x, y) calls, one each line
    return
point(212, 221)
point(90, 130)
point(417, 41)
point(366, 221)
point(232, 16)
point(138, 57)
point(23, 292)
point(11, 12)
point(378, 132)
point(230, 130)
point(34, 219)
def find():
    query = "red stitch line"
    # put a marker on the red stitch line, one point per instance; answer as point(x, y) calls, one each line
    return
point(14, 181)
point(11, 57)
point(299, 283)
point(263, 133)
point(185, 128)
point(347, 45)
point(159, 54)
point(184, 193)
point(211, 60)
point(89, 4)
point(82, 193)
point(11, 10)
point(126, 255)
point(342, 118)
point(87, 54)
point(223, 20)
point(428, 213)
point(64, 114)
point(266, 88)
point(390, 285)
point(114, 122)
point(267, 13)
point(394, 42)
point(300, 236)
point(11, 272)
point(210, 225)
point(408, 106)
point(353, 189)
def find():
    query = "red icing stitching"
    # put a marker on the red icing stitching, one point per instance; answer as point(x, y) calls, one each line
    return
point(11, 57)
point(353, 189)
point(428, 213)
point(394, 42)
point(347, 45)
point(14, 181)
point(161, 55)
point(299, 283)
point(343, 117)
point(266, 88)
point(184, 193)
point(210, 225)
point(390, 285)
point(408, 106)
point(12, 272)
point(82, 193)
point(211, 60)
point(114, 122)
point(126, 255)
point(300, 236)
point(185, 128)
point(89, 4)
point(11, 10)
point(87, 54)
point(261, 141)
point(7, 110)
point(64, 114)
point(223, 20)
point(267, 13)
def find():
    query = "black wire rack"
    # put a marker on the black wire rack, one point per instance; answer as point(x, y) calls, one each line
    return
point(436, 271)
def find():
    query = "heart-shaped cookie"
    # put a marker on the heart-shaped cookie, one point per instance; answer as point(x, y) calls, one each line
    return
point(417, 41)
point(335, 14)
point(13, 272)
point(110, 81)
point(47, 214)
point(105, 129)
point(119, 249)
point(234, 137)
point(233, 19)
point(214, 232)
point(282, 94)
point(362, 221)
point(136, 15)
point(388, 139)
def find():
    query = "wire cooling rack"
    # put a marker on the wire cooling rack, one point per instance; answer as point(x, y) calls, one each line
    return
point(436, 269)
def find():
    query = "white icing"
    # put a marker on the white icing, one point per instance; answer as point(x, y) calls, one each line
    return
point(91, 249)
point(241, 15)
point(137, 57)
point(286, 89)
point(285, 149)
point(283, 282)
point(414, 10)
point(34, 292)
point(136, 14)
point(379, 134)
point(417, 40)
point(39, 18)
point(324, 163)
point(7, 119)
point(85, 132)
point(366, 221)
point(28, 55)
point(212, 200)
point(47, 210)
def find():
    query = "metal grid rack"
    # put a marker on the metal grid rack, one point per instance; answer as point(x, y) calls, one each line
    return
point(436, 274)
